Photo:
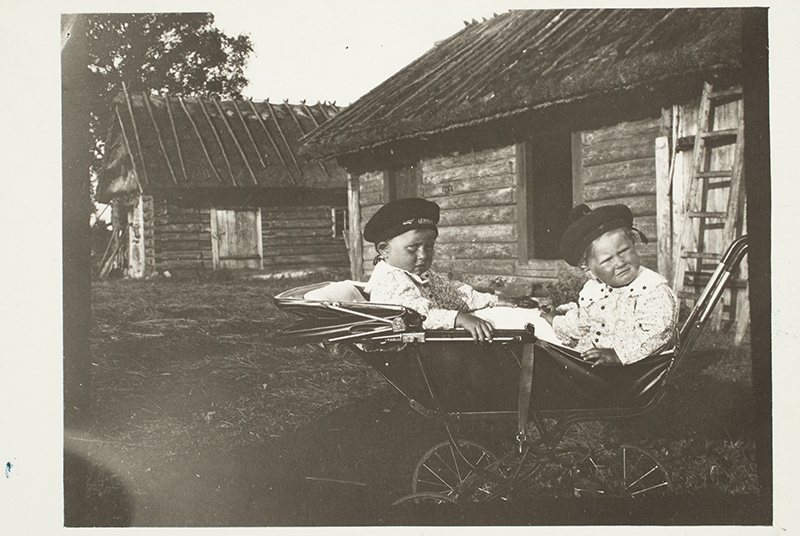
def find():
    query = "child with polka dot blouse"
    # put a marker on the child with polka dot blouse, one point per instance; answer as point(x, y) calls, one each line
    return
point(625, 312)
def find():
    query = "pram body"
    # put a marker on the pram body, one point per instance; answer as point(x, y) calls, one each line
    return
point(546, 387)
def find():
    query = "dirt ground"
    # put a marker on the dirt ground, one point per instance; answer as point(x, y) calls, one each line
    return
point(327, 443)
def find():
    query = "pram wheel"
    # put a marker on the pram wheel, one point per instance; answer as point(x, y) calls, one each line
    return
point(621, 471)
point(443, 471)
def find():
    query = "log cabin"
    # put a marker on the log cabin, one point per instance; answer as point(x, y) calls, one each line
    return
point(201, 184)
point(512, 121)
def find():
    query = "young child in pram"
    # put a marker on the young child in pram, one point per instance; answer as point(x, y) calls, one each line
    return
point(625, 311)
point(404, 232)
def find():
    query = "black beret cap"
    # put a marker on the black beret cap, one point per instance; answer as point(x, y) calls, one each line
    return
point(401, 215)
point(586, 224)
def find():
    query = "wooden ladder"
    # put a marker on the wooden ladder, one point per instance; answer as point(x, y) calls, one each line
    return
point(715, 203)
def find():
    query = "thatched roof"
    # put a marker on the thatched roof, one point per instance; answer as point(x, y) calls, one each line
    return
point(174, 143)
point(526, 60)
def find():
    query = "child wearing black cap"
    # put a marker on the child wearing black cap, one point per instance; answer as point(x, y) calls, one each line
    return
point(404, 232)
point(626, 312)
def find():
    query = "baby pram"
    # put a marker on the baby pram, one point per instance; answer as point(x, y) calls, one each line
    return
point(545, 388)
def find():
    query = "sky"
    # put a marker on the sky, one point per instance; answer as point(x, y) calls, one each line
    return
point(338, 51)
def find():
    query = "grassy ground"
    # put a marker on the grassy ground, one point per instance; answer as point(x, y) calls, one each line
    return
point(183, 367)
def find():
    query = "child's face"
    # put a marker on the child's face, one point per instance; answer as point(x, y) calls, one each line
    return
point(411, 251)
point(613, 258)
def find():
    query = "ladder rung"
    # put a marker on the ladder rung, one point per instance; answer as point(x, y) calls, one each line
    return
point(719, 173)
point(700, 279)
point(716, 135)
point(717, 185)
point(733, 93)
point(686, 294)
point(701, 255)
point(713, 226)
point(719, 215)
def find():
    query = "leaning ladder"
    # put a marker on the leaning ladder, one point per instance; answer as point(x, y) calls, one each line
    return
point(714, 219)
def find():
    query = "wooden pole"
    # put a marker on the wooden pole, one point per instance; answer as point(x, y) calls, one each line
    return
point(200, 139)
point(663, 209)
point(177, 139)
point(354, 215)
point(272, 141)
point(219, 140)
point(235, 140)
point(158, 136)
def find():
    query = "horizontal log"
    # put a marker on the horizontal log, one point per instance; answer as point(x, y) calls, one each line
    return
point(621, 131)
point(645, 167)
point(475, 267)
point(499, 168)
point(320, 241)
point(478, 215)
point(181, 218)
point(160, 210)
point(478, 250)
point(502, 196)
point(184, 228)
point(275, 251)
point(183, 255)
point(192, 235)
point(608, 191)
point(468, 184)
point(606, 152)
point(298, 224)
point(370, 185)
point(282, 233)
point(191, 264)
point(183, 245)
point(288, 215)
point(375, 198)
point(306, 260)
point(445, 162)
point(499, 232)
point(538, 268)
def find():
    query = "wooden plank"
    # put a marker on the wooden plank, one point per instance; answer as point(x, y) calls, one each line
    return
point(603, 191)
point(479, 233)
point(524, 219)
point(356, 241)
point(623, 131)
point(478, 215)
point(372, 199)
point(322, 241)
point(269, 233)
point(180, 218)
point(578, 171)
point(618, 151)
point(499, 170)
point(481, 250)
point(183, 255)
point(163, 236)
point(185, 227)
point(468, 184)
point(502, 196)
point(214, 239)
point(184, 264)
point(477, 158)
point(306, 249)
point(663, 208)
point(306, 260)
point(498, 267)
point(297, 224)
point(259, 239)
point(642, 167)
point(538, 268)
point(182, 245)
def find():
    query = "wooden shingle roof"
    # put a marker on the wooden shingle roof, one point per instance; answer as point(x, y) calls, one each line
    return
point(525, 60)
point(171, 142)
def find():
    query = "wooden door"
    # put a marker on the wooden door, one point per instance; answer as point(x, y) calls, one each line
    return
point(236, 238)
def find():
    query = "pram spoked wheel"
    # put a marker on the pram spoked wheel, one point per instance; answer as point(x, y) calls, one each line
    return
point(442, 472)
point(621, 471)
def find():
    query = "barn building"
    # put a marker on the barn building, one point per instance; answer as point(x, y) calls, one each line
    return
point(510, 122)
point(200, 184)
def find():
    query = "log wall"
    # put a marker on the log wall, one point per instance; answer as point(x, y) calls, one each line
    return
point(182, 237)
point(301, 238)
point(618, 165)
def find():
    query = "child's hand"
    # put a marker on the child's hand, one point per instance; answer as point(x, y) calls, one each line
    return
point(601, 356)
point(480, 329)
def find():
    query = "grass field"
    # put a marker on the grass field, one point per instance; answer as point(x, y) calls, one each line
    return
point(182, 367)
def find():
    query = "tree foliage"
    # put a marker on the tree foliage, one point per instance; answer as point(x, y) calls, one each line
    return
point(180, 54)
